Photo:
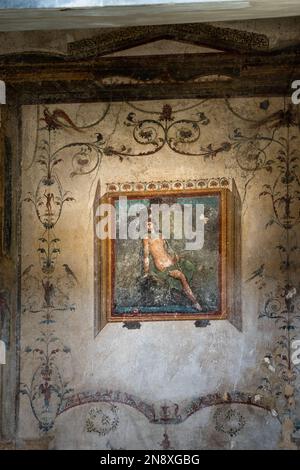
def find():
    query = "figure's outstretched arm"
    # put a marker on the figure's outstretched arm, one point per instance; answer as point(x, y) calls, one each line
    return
point(146, 256)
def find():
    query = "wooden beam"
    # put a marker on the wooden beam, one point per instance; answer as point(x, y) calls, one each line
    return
point(44, 78)
point(33, 19)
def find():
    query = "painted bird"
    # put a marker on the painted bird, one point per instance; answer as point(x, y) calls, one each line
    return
point(99, 137)
point(58, 119)
point(257, 273)
point(70, 272)
point(27, 270)
point(282, 118)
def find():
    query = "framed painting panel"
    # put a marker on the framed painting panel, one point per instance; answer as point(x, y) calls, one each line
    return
point(183, 266)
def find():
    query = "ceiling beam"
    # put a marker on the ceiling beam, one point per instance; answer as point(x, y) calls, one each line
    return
point(117, 16)
point(46, 79)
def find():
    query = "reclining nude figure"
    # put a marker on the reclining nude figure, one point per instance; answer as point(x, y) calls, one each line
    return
point(155, 246)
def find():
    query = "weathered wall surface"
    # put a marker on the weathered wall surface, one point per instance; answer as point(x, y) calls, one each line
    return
point(9, 242)
point(167, 384)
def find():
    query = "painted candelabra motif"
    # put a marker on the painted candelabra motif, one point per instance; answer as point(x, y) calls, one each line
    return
point(47, 388)
point(45, 292)
point(48, 284)
point(280, 132)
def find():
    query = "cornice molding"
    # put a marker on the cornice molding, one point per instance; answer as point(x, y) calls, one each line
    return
point(204, 34)
point(85, 75)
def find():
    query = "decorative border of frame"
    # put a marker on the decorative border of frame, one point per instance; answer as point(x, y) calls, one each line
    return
point(178, 185)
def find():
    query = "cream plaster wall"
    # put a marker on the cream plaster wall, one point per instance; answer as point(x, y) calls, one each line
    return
point(162, 363)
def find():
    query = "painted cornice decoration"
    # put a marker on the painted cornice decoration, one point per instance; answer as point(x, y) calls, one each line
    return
point(227, 39)
point(238, 66)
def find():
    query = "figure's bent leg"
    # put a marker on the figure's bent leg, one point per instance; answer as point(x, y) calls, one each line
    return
point(186, 288)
